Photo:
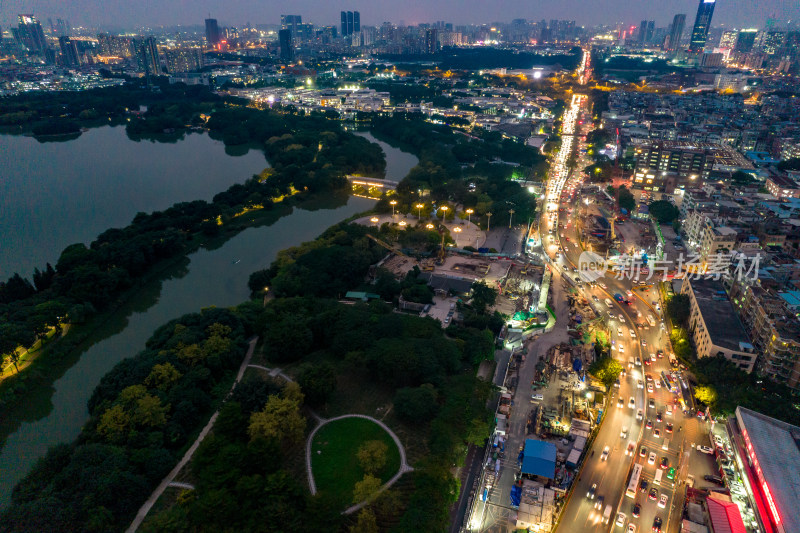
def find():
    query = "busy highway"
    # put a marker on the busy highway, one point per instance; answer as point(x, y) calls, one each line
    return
point(648, 421)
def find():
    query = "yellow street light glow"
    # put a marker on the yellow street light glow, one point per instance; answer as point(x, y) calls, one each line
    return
point(374, 220)
point(429, 226)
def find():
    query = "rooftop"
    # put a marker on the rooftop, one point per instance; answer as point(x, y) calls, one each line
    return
point(539, 458)
point(720, 318)
point(776, 446)
point(724, 514)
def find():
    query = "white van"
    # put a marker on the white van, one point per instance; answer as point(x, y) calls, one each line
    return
point(607, 514)
point(665, 445)
point(609, 303)
point(657, 479)
point(537, 397)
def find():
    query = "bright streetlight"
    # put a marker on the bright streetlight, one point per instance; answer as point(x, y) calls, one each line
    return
point(457, 230)
point(444, 208)
point(394, 203)
point(510, 215)
point(469, 213)
point(402, 223)
point(419, 210)
point(429, 226)
point(488, 221)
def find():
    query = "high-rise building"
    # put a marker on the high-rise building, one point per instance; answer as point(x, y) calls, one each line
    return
point(728, 40)
point(702, 23)
point(344, 24)
point(646, 29)
point(745, 40)
point(147, 56)
point(431, 41)
point(64, 28)
point(349, 23)
point(30, 33)
point(112, 45)
point(356, 22)
point(677, 32)
point(183, 59)
point(292, 22)
point(286, 46)
point(69, 52)
point(212, 32)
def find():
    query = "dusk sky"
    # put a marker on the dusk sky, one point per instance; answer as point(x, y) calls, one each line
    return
point(131, 14)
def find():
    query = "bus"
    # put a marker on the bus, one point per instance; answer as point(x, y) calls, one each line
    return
point(669, 382)
point(634, 483)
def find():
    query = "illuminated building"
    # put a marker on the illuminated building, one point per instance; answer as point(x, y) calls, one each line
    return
point(768, 454)
point(30, 33)
point(431, 41)
point(285, 42)
point(745, 40)
point(69, 52)
point(677, 32)
point(147, 56)
point(183, 59)
point(702, 23)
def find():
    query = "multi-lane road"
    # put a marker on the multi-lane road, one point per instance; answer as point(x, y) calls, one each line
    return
point(637, 408)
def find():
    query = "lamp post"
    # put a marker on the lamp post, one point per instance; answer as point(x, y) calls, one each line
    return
point(374, 220)
point(510, 215)
point(394, 203)
point(457, 230)
point(444, 211)
point(402, 223)
point(488, 222)
point(469, 214)
point(419, 211)
point(429, 226)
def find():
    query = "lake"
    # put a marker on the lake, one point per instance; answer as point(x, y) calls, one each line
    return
point(215, 277)
point(54, 194)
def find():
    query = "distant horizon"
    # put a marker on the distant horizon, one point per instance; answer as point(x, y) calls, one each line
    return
point(106, 14)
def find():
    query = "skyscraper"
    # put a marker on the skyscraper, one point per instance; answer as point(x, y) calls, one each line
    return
point(356, 22)
point(183, 59)
point(677, 32)
point(344, 24)
point(349, 23)
point(292, 22)
point(147, 56)
point(285, 42)
point(745, 40)
point(646, 31)
point(69, 52)
point(702, 23)
point(30, 33)
point(212, 32)
point(431, 41)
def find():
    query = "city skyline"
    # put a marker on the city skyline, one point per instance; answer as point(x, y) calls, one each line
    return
point(173, 12)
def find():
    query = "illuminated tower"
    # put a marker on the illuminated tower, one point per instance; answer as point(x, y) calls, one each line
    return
point(702, 23)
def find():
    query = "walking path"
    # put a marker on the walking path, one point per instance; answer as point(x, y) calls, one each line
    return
point(404, 466)
point(169, 479)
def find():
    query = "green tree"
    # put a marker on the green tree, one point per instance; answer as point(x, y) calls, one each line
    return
point(664, 212)
point(317, 381)
point(416, 405)
point(607, 370)
point(367, 523)
point(372, 456)
point(162, 376)
point(366, 489)
point(706, 394)
point(483, 296)
point(280, 420)
point(114, 423)
point(626, 199)
point(679, 309)
point(742, 178)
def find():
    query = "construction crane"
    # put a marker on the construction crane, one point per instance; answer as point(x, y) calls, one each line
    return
point(386, 245)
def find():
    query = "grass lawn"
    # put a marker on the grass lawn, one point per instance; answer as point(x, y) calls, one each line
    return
point(336, 469)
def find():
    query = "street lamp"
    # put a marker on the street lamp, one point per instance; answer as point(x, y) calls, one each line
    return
point(394, 203)
point(402, 223)
point(419, 210)
point(510, 215)
point(488, 222)
point(444, 211)
point(429, 226)
point(374, 220)
point(469, 213)
point(457, 230)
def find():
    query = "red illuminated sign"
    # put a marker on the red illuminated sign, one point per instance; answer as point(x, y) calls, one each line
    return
point(773, 510)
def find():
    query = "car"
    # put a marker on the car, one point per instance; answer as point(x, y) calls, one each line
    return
point(660, 354)
point(657, 383)
point(715, 479)
point(644, 342)
point(621, 349)
point(640, 384)
point(619, 332)
point(631, 448)
point(659, 418)
point(592, 491)
point(653, 494)
point(664, 463)
point(624, 432)
point(617, 383)
point(649, 424)
point(633, 333)
point(650, 388)
point(656, 433)
point(629, 293)
point(620, 403)
point(643, 486)
point(652, 358)
point(668, 428)
point(642, 451)
point(637, 510)
point(603, 286)
point(632, 403)
point(669, 410)
point(639, 414)
point(621, 518)
point(648, 377)
point(651, 460)
point(631, 528)
point(638, 362)
point(662, 501)
point(651, 403)
point(595, 298)
point(657, 524)
point(599, 503)
point(604, 455)
point(537, 397)
point(671, 473)
point(705, 449)
point(647, 362)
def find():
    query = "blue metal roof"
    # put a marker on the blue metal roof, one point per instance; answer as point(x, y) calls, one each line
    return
point(539, 458)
